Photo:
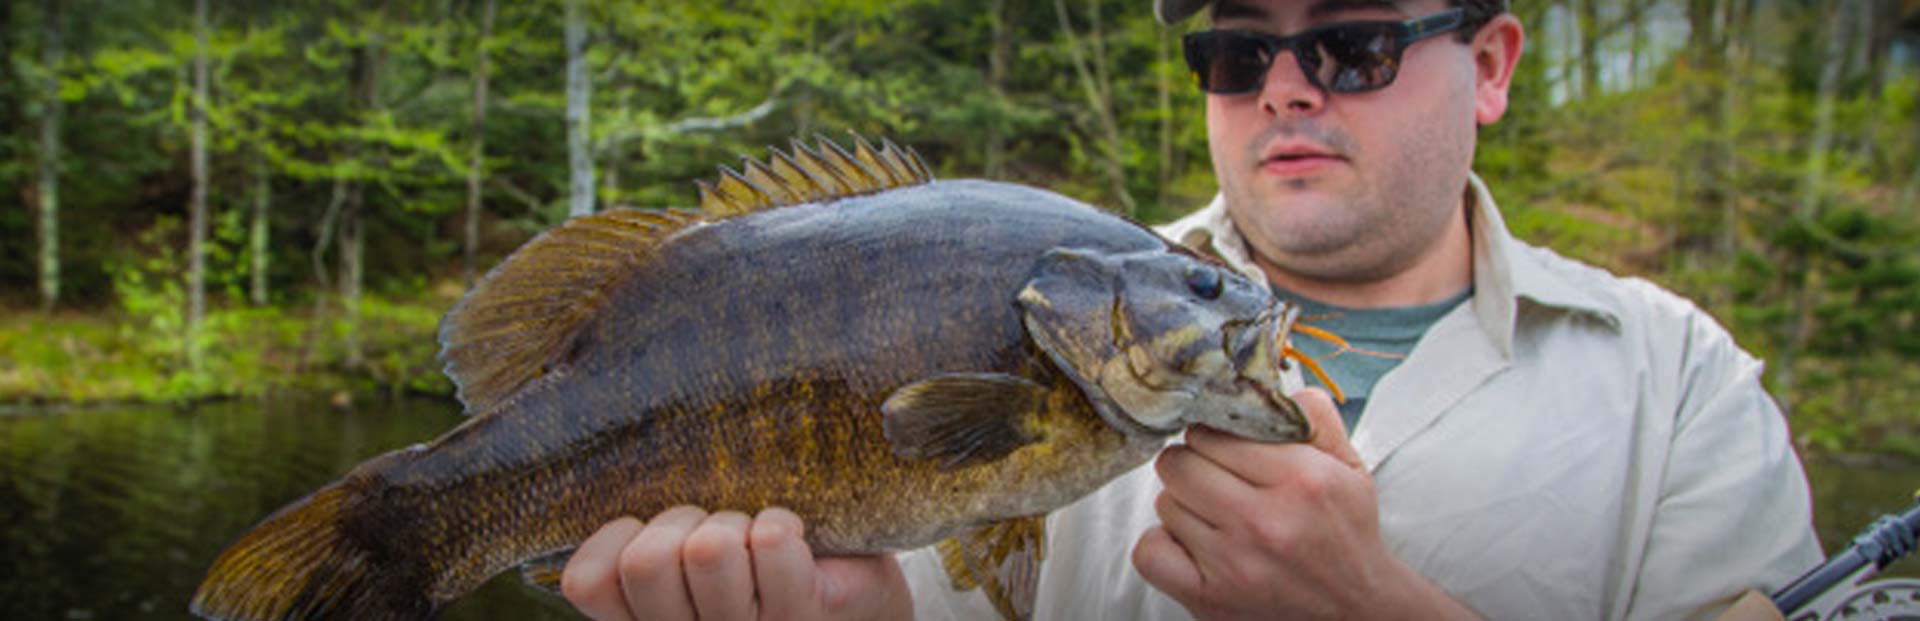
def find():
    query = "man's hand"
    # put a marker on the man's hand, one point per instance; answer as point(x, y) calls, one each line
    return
point(1252, 530)
point(688, 564)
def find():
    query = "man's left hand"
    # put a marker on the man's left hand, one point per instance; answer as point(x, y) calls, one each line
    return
point(1253, 530)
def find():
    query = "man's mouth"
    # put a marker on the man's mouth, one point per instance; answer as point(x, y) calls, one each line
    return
point(1297, 158)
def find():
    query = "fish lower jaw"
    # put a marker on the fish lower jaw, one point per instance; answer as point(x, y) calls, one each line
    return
point(1247, 408)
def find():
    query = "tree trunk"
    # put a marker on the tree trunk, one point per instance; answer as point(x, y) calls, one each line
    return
point(1637, 46)
point(996, 142)
point(1703, 34)
point(52, 55)
point(1089, 63)
point(328, 224)
point(1833, 63)
point(1911, 193)
point(471, 238)
point(257, 240)
point(1876, 24)
point(579, 92)
point(197, 236)
point(353, 217)
point(353, 244)
point(1589, 20)
point(1885, 25)
point(1163, 84)
point(1807, 210)
point(1733, 64)
point(1567, 71)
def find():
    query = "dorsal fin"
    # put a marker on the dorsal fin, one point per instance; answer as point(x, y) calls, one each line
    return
point(818, 167)
point(810, 175)
point(520, 320)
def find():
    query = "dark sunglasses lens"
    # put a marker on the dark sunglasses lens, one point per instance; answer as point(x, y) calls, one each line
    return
point(1344, 58)
point(1227, 62)
point(1357, 57)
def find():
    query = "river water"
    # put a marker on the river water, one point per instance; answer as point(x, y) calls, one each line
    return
point(115, 513)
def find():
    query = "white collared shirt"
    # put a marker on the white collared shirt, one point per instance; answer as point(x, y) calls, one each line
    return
point(1566, 445)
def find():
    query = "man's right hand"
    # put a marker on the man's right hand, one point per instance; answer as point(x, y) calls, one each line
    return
point(688, 564)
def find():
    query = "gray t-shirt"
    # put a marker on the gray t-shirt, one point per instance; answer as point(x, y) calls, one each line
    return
point(1379, 338)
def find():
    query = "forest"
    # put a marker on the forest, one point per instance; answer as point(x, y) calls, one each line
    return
point(209, 200)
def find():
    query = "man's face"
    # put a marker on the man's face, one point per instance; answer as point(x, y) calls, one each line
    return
point(1345, 187)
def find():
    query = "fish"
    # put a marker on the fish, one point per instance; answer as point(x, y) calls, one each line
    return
point(899, 360)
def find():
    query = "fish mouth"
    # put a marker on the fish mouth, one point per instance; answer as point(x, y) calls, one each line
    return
point(1257, 348)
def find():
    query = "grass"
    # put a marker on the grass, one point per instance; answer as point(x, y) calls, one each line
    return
point(117, 355)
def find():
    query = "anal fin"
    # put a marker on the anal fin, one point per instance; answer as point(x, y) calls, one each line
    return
point(543, 572)
point(1002, 559)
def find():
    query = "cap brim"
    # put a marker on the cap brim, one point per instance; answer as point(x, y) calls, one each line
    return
point(1174, 11)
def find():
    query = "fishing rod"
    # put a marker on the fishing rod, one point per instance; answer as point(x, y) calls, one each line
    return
point(1838, 589)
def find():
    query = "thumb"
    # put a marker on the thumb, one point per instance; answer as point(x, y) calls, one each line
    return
point(1329, 431)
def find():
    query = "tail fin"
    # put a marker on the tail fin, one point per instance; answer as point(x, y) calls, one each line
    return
point(300, 563)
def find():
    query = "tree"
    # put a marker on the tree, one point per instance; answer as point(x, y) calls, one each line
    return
point(1807, 208)
point(258, 232)
point(1089, 55)
point(579, 101)
point(471, 229)
point(52, 55)
point(197, 203)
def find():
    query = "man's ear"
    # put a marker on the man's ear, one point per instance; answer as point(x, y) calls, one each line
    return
point(1496, 51)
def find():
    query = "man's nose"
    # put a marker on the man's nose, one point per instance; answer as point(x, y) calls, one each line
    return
point(1288, 91)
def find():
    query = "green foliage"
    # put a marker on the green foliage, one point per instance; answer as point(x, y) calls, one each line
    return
point(1702, 180)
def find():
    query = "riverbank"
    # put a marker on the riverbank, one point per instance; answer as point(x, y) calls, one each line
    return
point(118, 356)
point(133, 353)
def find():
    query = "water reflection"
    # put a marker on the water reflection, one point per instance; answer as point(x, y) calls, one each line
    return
point(1847, 498)
point(116, 513)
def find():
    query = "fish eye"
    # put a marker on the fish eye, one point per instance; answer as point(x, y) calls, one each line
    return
point(1205, 282)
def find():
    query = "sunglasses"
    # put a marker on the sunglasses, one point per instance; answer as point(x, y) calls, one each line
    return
point(1346, 57)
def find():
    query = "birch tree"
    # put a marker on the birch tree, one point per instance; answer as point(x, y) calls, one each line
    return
point(51, 56)
point(579, 91)
point(1807, 208)
point(257, 233)
point(197, 201)
point(353, 231)
point(470, 238)
point(997, 57)
point(1089, 58)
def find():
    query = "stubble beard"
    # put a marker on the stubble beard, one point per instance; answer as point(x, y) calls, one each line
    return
point(1365, 233)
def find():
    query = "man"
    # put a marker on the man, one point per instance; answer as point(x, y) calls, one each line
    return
point(1532, 438)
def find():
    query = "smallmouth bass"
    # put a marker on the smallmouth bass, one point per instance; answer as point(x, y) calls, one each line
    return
point(900, 361)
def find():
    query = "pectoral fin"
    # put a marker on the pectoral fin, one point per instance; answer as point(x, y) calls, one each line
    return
point(1002, 559)
point(963, 419)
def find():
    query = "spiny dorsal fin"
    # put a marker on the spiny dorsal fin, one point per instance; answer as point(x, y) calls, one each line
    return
point(906, 157)
point(820, 169)
point(812, 174)
point(520, 320)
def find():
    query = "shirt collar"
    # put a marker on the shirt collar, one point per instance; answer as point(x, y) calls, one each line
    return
point(1505, 271)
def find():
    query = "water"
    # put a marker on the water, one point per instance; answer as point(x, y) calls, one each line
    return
point(116, 513)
